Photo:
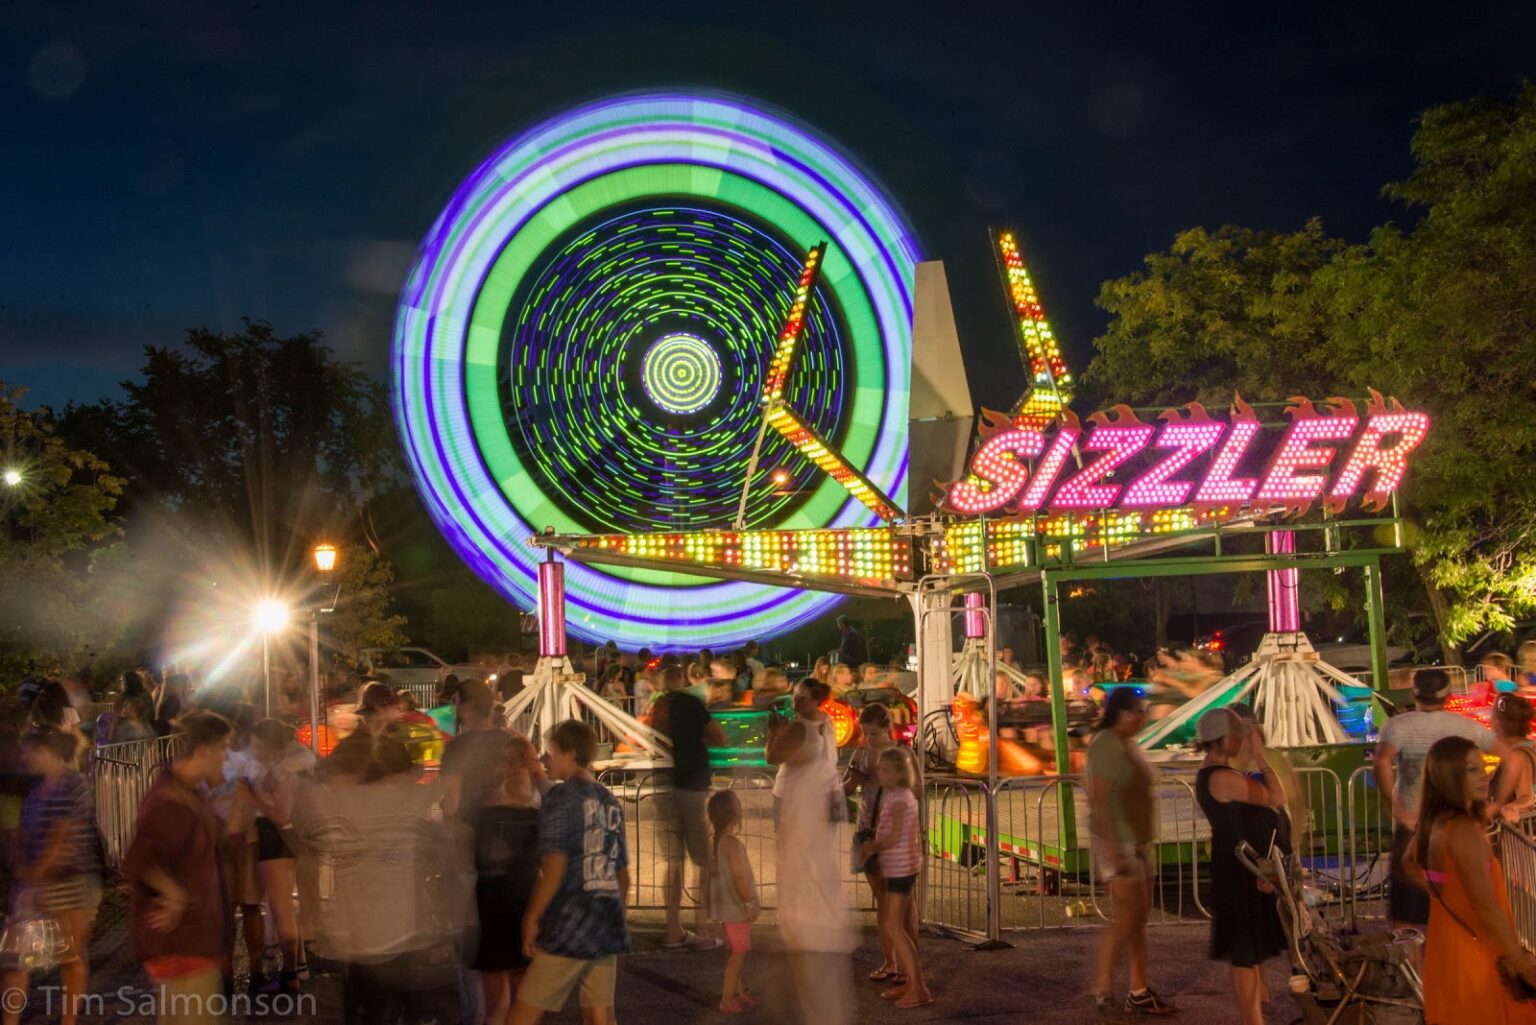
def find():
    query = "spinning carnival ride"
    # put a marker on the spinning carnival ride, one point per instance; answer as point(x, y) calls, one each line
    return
point(585, 353)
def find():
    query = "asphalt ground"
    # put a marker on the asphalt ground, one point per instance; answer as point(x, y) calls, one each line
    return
point(1041, 977)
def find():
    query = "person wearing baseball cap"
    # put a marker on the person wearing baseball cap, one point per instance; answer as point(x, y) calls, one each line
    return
point(1400, 752)
point(1245, 922)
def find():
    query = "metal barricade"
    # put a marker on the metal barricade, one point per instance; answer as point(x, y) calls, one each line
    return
point(1320, 836)
point(954, 895)
point(120, 775)
point(1368, 853)
point(1517, 853)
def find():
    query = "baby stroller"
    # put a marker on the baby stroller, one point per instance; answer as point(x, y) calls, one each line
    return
point(1341, 978)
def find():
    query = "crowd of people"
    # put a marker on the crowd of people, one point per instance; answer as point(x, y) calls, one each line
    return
point(506, 874)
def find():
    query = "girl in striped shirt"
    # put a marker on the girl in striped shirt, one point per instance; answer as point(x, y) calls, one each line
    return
point(899, 849)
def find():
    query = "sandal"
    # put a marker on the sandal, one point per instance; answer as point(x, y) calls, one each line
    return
point(894, 993)
point(883, 974)
point(907, 1005)
point(688, 940)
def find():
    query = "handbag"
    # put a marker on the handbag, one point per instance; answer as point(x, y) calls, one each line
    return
point(32, 941)
point(863, 836)
point(1515, 985)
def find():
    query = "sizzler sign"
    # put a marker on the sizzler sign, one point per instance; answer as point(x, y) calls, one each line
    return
point(1193, 460)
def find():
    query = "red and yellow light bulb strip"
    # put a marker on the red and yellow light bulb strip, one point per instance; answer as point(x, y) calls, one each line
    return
point(1050, 385)
point(869, 556)
point(789, 338)
point(815, 448)
point(789, 423)
point(1008, 543)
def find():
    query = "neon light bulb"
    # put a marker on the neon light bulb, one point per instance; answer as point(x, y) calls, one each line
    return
point(1219, 486)
point(1389, 461)
point(1296, 452)
point(997, 474)
point(1155, 488)
point(1119, 442)
point(1049, 467)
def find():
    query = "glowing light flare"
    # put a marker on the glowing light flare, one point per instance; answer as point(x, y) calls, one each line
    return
point(1390, 462)
point(1298, 451)
point(12, 478)
point(1119, 443)
point(269, 616)
point(325, 557)
point(1219, 487)
point(1156, 487)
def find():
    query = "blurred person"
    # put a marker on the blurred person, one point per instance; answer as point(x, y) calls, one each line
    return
point(1513, 785)
point(1036, 687)
point(1525, 656)
point(698, 679)
point(1294, 813)
point(645, 687)
point(1401, 748)
point(471, 765)
point(750, 655)
point(180, 921)
point(852, 649)
point(78, 686)
point(1006, 657)
point(1103, 668)
point(862, 779)
point(506, 863)
point(732, 896)
point(387, 854)
point(612, 686)
point(692, 731)
point(171, 700)
point(133, 723)
point(821, 671)
point(1498, 673)
point(1245, 923)
point(1122, 824)
point(237, 808)
point(842, 681)
point(722, 695)
point(770, 689)
point(574, 928)
point(897, 845)
point(377, 707)
point(51, 710)
point(58, 867)
point(808, 810)
point(279, 762)
point(1471, 946)
point(869, 675)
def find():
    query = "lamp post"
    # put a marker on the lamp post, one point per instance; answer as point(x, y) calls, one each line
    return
point(271, 616)
point(325, 565)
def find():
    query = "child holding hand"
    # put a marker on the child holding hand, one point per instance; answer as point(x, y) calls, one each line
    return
point(732, 896)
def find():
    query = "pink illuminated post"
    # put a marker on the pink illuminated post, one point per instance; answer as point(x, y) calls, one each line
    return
point(551, 609)
point(1284, 584)
point(975, 619)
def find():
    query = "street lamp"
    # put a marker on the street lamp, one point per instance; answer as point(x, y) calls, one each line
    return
point(325, 565)
point(12, 478)
point(270, 616)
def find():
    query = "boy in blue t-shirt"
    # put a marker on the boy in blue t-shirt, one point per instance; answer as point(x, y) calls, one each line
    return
point(574, 927)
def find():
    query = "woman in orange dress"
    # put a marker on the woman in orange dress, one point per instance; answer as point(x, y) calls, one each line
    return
point(1471, 936)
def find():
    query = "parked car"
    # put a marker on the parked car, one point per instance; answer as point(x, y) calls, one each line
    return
point(1351, 650)
point(417, 668)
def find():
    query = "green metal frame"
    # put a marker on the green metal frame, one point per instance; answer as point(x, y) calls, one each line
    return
point(1369, 559)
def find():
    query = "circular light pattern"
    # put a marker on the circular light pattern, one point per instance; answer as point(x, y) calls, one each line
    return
point(572, 371)
point(462, 405)
point(680, 373)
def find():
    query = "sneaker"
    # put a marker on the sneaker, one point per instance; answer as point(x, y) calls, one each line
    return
point(1147, 1003)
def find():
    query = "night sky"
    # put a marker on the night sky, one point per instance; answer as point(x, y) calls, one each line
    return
point(180, 163)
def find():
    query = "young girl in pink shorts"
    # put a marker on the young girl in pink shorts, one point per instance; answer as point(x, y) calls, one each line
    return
point(732, 896)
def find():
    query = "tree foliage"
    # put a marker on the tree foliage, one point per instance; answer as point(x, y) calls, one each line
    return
point(363, 617)
point(1442, 314)
point(59, 530)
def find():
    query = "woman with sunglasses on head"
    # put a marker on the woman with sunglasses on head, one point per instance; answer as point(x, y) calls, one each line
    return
point(1473, 961)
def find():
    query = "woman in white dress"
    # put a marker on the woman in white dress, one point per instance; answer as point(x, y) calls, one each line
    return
point(810, 809)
